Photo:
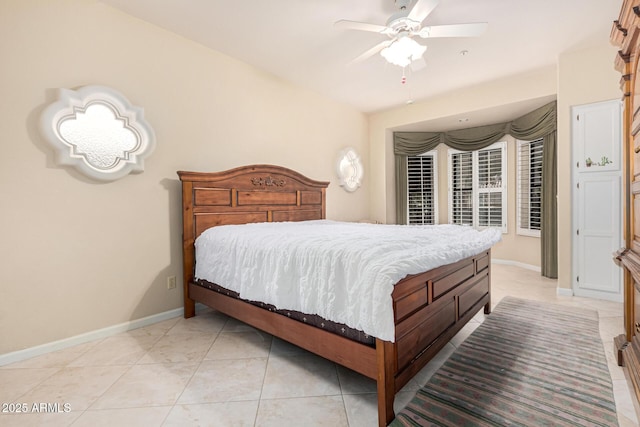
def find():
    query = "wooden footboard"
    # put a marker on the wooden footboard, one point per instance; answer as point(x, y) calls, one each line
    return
point(429, 308)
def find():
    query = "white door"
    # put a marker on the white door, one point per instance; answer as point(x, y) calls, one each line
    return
point(597, 193)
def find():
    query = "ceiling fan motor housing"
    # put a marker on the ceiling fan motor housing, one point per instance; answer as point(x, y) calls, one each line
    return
point(399, 21)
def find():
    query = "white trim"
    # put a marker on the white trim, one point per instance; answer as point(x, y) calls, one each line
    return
point(607, 296)
point(564, 292)
point(526, 232)
point(517, 264)
point(38, 350)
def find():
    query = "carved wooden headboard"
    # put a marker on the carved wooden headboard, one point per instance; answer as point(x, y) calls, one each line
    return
point(255, 193)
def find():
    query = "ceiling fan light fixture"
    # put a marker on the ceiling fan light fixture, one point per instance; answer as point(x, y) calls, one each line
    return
point(403, 51)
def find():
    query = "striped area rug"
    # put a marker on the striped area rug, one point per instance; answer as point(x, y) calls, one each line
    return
point(528, 364)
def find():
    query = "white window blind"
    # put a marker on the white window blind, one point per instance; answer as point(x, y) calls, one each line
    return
point(422, 184)
point(477, 188)
point(490, 188)
point(529, 178)
point(461, 204)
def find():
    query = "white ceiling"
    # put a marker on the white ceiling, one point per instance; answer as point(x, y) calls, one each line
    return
point(297, 41)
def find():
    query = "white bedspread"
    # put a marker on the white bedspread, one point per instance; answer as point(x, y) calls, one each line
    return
point(344, 272)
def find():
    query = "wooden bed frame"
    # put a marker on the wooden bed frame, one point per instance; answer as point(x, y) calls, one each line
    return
point(429, 308)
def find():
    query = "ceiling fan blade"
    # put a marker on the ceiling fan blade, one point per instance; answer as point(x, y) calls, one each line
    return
point(454, 30)
point(422, 9)
point(369, 53)
point(362, 26)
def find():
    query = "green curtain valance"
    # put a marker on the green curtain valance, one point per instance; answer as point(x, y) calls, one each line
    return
point(539, 123)
point(534, 125)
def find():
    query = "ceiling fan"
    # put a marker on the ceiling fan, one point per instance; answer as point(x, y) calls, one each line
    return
point(401, 49)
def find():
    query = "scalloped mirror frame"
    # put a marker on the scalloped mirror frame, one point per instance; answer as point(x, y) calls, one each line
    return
point(349, 169)
point(96, 130)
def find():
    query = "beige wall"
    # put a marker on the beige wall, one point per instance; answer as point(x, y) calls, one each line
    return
point(79, 255)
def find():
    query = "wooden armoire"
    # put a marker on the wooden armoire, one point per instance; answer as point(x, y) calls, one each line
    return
point(625, 34)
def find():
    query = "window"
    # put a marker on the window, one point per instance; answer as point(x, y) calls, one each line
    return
point(461, 188)
point(477, 190)
point(529, 187)
point(422, 189)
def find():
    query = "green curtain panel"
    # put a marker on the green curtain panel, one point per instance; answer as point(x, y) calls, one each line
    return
point(549, 211)
point(401, 189)
point(539, 123)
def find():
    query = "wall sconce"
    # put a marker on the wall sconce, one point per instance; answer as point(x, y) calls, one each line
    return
point(349, 169)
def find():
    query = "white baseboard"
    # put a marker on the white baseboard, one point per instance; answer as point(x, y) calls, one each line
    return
point(516, 263)
point(564, 292)
point(30, 352)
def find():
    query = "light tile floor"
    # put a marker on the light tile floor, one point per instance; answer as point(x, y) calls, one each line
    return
point(215, 371)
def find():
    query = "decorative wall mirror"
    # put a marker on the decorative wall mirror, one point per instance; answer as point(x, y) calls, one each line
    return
point(96, 130)
point(349, 168)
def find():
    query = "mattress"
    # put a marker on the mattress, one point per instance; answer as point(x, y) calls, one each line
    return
point(310, 319)
point(340, 271)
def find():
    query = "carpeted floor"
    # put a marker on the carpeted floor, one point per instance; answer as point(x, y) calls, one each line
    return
point(528, 364)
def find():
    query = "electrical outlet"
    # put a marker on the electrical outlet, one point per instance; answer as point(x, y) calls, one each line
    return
point(171, 282)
